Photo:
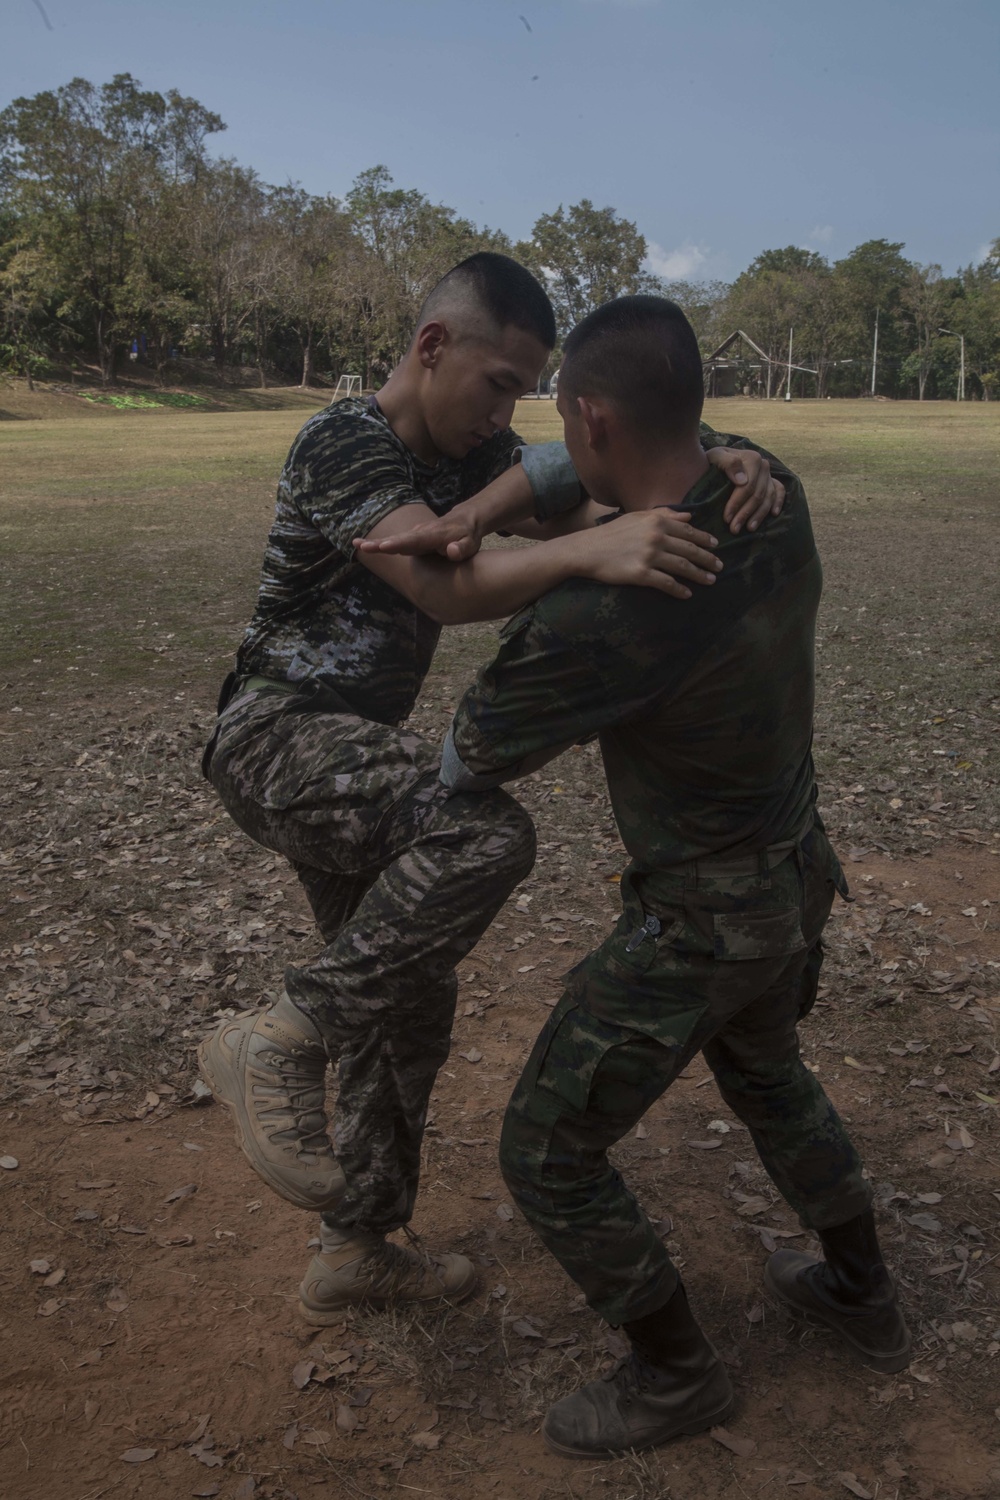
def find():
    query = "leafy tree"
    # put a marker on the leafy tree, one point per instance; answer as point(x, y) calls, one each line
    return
point(924, 301)
point(79, 165)
point(870, 281)
point(587, 255)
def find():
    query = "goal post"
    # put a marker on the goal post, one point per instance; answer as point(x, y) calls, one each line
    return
point(347, 385)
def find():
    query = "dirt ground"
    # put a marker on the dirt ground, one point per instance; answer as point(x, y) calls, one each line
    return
point(149, 1342)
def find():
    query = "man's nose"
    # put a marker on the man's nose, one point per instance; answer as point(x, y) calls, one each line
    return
point(503, 413)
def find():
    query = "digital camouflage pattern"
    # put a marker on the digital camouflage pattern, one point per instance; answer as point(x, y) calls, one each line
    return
point(320, 613)
point(634, 1015)
point(703, 706)
point(403, 880)
point(704, 713)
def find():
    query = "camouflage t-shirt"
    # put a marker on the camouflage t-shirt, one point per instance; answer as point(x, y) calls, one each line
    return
point(703, 706)
point(320, 613)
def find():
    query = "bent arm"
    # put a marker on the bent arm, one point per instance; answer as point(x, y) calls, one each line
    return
point(648, 549)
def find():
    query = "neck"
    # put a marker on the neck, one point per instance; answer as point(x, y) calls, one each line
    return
point(663, 478)
point(400, 402)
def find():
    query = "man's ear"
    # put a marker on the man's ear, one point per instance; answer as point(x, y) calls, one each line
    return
point(595, 419)
point(429, 342)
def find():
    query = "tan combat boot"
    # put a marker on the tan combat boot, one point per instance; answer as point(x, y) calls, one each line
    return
point(269, 1069)
point(365, 1268)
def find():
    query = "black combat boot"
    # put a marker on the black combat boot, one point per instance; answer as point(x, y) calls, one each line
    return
point(850, 1291)
point(672, 1384)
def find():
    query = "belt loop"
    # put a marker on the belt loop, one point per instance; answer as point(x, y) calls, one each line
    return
point(764, 869)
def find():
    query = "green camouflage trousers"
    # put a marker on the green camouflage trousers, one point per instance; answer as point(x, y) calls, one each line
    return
point(403, 880)
point(727, 968)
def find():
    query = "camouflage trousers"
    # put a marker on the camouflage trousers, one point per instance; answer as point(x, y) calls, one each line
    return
point(726, 967)
point(403, 880)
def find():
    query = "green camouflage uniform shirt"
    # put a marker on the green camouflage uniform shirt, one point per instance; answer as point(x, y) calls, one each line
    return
point(703, 706)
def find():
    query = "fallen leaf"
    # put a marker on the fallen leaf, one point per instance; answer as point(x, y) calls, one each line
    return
point(40, 1267)
point(428, 1440)
point(117, 1302)
point(753, 1206)
point(186, 1191)
point(56, 1278)
point(246, 1488)
point(302, 1373)
point(84, 1215)
point(347, 1419)
point(893, 1469)
point(798, 1478)
point(927, 1222)
point(704, 1145)
point(51, 1306)
point(95, 1187)
point(206, 1491)
point(743, 1447)
point(201, 1427)
point(767, 1238)
point(504, 1211)
point(316, 1438)
point(756, 1313)
point(641, 1132)
point(853, 1483)
point(291, 1433)
point(524, 1328)
point(9, 1163)
point(90, 1358)
point(721, 1127)
point(473, 1055)
point(138, 1455)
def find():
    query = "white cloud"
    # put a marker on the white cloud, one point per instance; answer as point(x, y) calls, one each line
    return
point(821, 235)
point(679, 264)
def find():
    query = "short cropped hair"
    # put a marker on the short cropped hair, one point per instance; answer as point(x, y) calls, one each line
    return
point(499, 287)
point(641, 354)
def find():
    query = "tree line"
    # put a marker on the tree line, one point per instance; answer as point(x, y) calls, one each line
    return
point(121, 235)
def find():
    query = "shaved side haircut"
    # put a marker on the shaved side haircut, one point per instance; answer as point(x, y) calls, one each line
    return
point(488, 293)
point(640, 354)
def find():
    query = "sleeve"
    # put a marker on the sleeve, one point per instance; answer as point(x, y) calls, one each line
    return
point(552, 477)
point(537, 697)
point(346, 477)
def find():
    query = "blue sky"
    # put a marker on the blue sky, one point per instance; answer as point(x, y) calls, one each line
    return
point(723, 127)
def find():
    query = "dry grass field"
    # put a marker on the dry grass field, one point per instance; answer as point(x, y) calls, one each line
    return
point(148, 1283)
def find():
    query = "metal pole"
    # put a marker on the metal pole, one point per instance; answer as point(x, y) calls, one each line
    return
point(788, 388)
point(961, 368)
point(875, 350)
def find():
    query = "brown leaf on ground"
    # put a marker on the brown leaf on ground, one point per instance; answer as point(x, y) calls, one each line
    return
point(186, 1191)
point(138, 1455)
point(851, 1482)
point(347, 1419)
point(302, 1373)
point(704, 1145)
point(743, 1447)
point(428, 1440)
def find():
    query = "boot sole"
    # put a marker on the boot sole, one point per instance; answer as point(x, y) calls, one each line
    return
point(683, 1429)
point(232, 1100)
point(333, 1312)
point(886, 1364)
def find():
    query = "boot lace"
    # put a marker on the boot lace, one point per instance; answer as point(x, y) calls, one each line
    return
point(299, 1093)
point(391, 1265)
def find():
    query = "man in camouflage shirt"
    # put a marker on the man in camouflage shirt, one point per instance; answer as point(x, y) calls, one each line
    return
point(309, 759)
point(704, 715)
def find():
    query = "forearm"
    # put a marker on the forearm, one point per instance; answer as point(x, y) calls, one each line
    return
point(492, 585)
point(501, 506)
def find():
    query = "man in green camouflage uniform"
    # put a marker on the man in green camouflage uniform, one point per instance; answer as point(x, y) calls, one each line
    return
point(310, 760)
point(704, 715)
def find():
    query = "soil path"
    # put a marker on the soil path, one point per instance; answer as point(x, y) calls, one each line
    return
point(150, 1340)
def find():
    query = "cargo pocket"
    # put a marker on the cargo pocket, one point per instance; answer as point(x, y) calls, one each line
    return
point(630, 951)
point(756, 934)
